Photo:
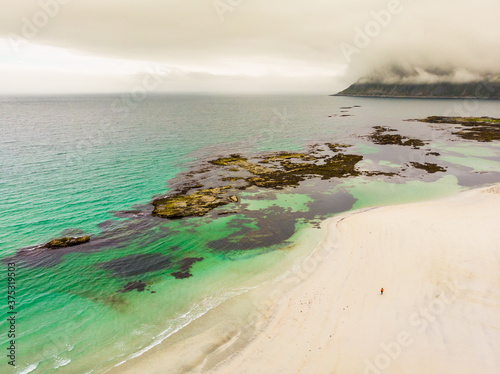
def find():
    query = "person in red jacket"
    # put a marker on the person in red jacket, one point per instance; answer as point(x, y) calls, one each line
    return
point(382, 291)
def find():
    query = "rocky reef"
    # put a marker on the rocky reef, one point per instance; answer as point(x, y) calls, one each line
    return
point(383, 136)
point(428, 167)
point(282, 170)
point(195, 204)
point(66, 242)
point(275, 171)
point(481, 129)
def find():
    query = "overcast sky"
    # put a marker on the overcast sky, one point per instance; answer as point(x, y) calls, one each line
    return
point(242, 45)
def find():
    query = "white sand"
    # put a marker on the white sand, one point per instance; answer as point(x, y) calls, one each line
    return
point(439, 263)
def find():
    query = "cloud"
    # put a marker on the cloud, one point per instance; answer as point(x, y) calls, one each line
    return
point(431, 41)
point(255, 44)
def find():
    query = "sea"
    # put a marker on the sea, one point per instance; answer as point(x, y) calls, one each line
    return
point(74, 165)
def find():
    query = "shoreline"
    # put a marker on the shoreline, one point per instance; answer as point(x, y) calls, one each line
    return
point(438, 264)
point(224, 329)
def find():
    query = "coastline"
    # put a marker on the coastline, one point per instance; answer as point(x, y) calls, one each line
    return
point(225, 329)
point(438, 263)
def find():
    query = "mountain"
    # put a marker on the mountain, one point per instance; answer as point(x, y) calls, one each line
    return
point(472, 90)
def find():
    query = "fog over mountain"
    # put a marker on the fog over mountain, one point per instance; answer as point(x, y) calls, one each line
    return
point(258, 45)
point(399, 74)
point(432, 42)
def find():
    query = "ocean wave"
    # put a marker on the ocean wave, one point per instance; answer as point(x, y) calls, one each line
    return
point(196, 312)
point(27, 369)
point(60, 362)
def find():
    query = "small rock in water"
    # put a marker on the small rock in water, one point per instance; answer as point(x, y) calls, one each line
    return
point(67, 242)
point(185, 267)
point(135, 285)
point(182, 274)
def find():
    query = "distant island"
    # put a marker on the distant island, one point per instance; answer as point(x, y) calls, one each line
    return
point(443, 90)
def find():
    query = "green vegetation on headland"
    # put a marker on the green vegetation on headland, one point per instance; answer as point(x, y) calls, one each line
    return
point(444, 90)
point(481, 129)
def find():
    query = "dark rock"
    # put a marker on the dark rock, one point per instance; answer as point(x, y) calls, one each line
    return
point(243, 163)
point(275, 231)
point(135, 285)
point(287, 156)
point(185, 267)
point(381, 137)
point(430, 168)
point(67, 242)
point(227, 212)
point(188, 262)
point(196, 204)
point(481, 129)
point(128, 213)
point(136, 264)
point(182, 274)
point(337, 147)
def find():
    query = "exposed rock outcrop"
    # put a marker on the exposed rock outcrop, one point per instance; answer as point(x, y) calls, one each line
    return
point(66, 242)
point(195, 204)
point(481, 129)
point(284, 170)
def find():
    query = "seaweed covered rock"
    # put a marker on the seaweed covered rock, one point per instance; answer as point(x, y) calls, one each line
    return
point(428, 167)
point(292, 173)
point(195, 204)
point(243, 163)
point(66, 242)
point(337, 147)
point(277, 180)
point(382, 136)
point(338, 166)
point(284, 169)
point(287, 156)
point(481, 129)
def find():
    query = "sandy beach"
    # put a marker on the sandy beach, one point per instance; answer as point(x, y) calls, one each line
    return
point(438, 263)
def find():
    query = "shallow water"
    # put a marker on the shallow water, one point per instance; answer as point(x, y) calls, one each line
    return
point(72, 165)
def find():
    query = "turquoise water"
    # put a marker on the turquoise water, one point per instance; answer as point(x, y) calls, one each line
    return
point(68, 164)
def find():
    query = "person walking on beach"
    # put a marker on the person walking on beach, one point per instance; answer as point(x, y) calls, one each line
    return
point(382, 291)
